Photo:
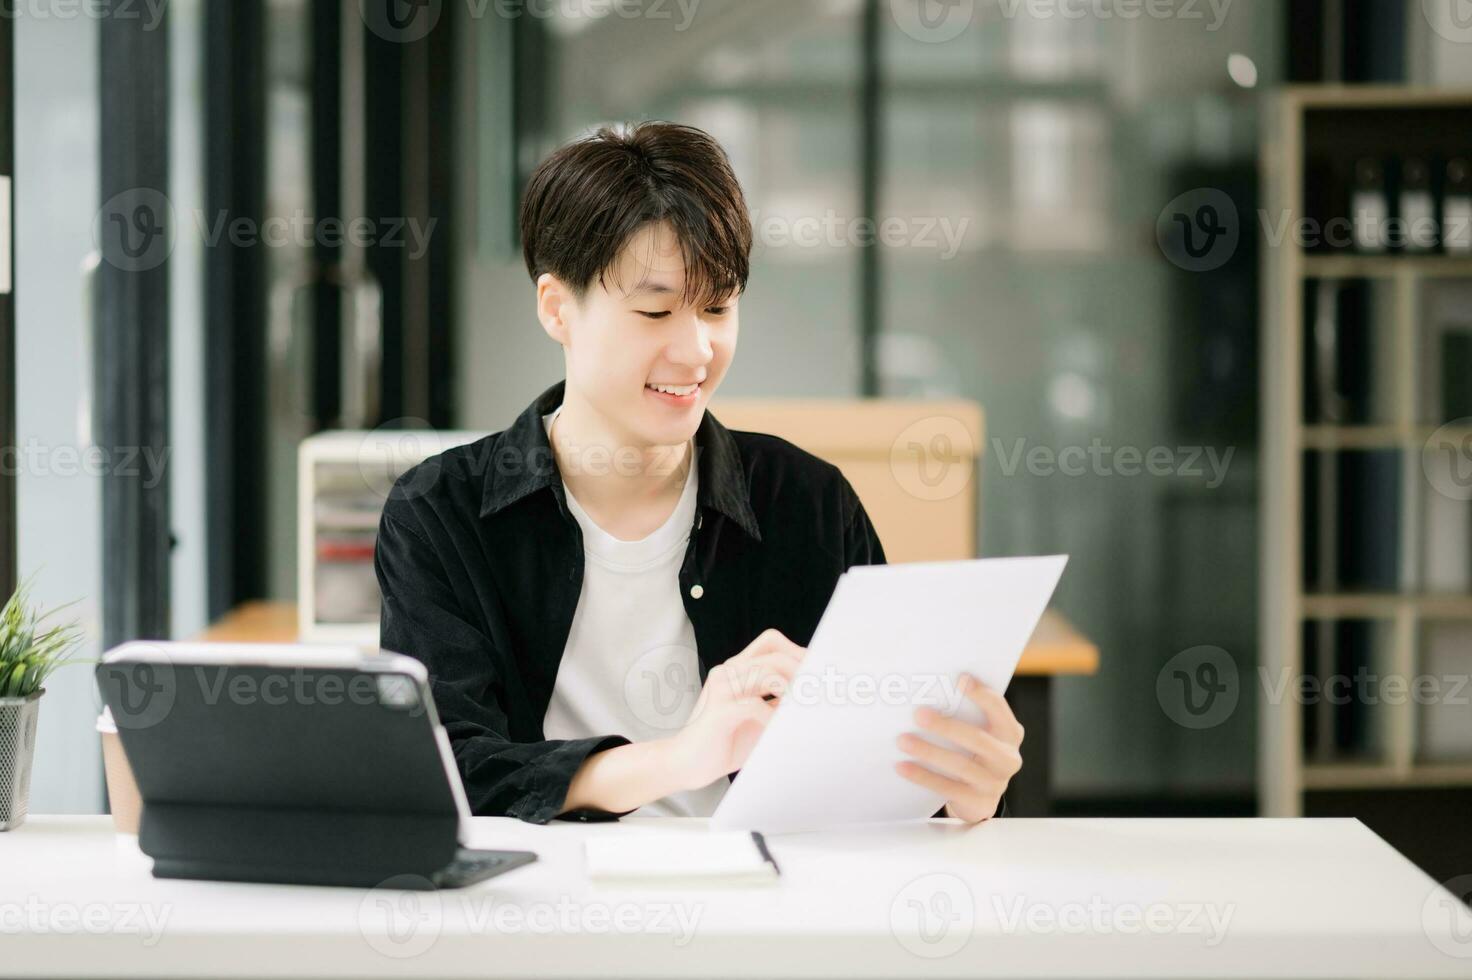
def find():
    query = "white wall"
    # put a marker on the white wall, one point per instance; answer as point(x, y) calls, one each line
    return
point(189, 600)
point(60, 534)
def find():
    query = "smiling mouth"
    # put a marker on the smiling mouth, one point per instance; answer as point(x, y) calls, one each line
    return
point(678, 391)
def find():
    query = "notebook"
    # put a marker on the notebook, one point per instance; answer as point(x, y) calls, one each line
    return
point(719, 858)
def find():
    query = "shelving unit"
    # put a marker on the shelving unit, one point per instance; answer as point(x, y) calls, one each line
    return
point(343, 480)
point(1287, 603)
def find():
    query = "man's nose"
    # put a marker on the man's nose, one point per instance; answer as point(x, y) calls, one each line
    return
point(692, 345)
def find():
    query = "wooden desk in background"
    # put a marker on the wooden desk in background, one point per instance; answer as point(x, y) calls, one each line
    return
point(1056, 649)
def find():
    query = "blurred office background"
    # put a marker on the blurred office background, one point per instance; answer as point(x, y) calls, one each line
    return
point(1028, 151)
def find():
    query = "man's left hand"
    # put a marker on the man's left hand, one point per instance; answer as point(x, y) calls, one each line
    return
point(974, 773)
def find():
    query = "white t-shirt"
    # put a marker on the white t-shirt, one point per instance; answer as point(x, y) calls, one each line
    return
point(630, 665)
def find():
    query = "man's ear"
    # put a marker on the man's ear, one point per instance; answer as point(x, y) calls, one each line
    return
point(554, 304)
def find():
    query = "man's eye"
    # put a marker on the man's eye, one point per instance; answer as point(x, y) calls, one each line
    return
point(654, 314)
point(718, 310)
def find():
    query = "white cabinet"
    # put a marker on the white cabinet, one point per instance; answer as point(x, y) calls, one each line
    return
point(344, 478)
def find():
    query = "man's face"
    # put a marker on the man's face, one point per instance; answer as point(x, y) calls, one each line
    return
point(646, 361)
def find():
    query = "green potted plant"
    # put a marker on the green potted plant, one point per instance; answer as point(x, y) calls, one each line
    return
point(29, 652)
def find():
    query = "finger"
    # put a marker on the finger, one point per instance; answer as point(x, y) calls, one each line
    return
point(999, 717)
point(948, 762)
point(973, 738)
point(768, 642)
point(754, 709)
point(951, 790)
point(771, 674)
point(998, 758)
point(720, 693)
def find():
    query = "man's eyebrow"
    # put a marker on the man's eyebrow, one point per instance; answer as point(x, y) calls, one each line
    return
point(651, 286)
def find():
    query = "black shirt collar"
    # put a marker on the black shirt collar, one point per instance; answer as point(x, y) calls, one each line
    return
point(524, 464)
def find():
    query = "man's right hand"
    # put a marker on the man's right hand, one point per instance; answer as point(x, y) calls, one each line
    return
point(734, 707)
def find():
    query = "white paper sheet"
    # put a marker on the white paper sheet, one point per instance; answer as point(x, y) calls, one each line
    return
point(893, 638)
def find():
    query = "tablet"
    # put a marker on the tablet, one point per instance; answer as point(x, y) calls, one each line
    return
point(292, 764)
point(892, 638)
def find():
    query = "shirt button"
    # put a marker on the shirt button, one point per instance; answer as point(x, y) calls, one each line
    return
point(696, 591)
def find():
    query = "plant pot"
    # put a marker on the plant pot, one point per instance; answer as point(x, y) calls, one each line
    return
point(17, 749)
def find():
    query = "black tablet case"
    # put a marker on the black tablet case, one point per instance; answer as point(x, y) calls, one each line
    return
point(245, 778)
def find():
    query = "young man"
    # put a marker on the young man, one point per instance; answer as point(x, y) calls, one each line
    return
point(612, 594)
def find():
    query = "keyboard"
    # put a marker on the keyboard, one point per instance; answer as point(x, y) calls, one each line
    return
point(470, 866)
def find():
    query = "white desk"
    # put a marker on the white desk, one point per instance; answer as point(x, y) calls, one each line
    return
point(1013, 897)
